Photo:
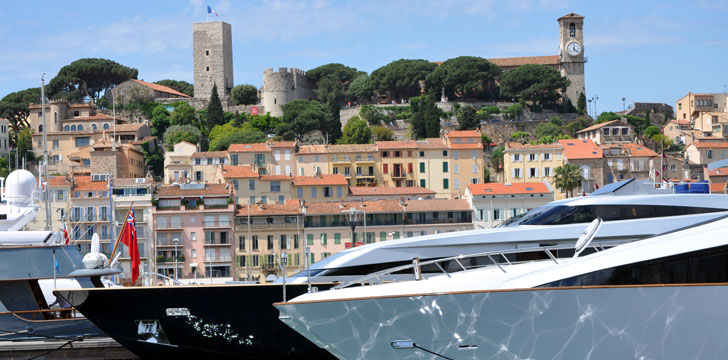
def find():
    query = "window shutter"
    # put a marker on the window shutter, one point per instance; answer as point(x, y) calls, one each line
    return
point(536, 172)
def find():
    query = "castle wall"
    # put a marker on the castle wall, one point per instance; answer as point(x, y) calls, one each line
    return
point(213, 59)
point(282, 87)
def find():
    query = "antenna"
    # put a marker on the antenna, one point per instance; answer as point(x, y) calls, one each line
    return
point(587, 236)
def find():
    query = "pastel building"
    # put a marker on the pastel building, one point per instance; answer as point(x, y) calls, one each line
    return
point(178, 162)
point(532, 163)
point(494, 203)
point(357, 163)
point(397, 163)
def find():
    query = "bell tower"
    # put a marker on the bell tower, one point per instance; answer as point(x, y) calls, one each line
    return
point(571, 54)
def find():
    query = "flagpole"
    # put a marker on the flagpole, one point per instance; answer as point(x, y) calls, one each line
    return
point(126, 219)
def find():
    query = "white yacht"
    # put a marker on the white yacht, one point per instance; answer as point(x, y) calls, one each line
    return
point(661, 297)
point(631, 210)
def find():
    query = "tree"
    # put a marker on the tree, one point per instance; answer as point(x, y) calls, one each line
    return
point(556, 120)
point(183, 114)
point(574, 126)
point(464, 77)
point(382, 133)
point(401, 78)
point(302, 116)
point(651, 131)
point(160, 120)
point(178, 133)
point(24, 143)
point(425, 117)
point(567, 177)
point(4, 167)
point(646, 122)
point(547, 129)
point(89, 77)
point(486, 140)
point(520, 136)
point(540, 84)
point(356, 131)
point(361, 88)
point(221, 136)
point(486, 175)
point(245, 95)
point(14, 107)
point(154, 159)
point(343, 73)
point(513, 112)
point(215, 113)
point(607, 116)
point(581, 103)
point(330, 80)
point(467, 118)
point(496, 158)
point(181, 86)
point(372, 115)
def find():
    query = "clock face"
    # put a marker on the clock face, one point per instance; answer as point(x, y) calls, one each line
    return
point(573, 48)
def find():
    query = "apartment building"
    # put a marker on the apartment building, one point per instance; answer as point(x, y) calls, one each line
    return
point(194, 222)
point(589, 158)
point(610, 132)
point(366, 193)
point(494, 203)
point(397, 165)
point(691, 105)
point(466, 156)
point(312, 160)
point(206, 165)
point(5, 138)
point(178, 162)
point(532, 163)
point(320, 188)
point(269, 158)
point(105, 157)
point(702, 153)
point(136, 192)
point(60, 198)
point(434, 166)
point(90, 212)
point(245, 181)
point(626, 161)
point(357, 163)
point(679, 131)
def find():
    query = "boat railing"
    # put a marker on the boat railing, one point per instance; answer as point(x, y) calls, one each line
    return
point(499, 258)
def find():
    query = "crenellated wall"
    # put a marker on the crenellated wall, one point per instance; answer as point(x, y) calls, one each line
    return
point(283, 86)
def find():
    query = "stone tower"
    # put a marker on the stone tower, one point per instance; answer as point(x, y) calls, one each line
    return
point(213, 56)
point(571, 54)
point(280, 88)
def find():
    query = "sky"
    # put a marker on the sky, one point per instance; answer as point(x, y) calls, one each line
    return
point(643, 51)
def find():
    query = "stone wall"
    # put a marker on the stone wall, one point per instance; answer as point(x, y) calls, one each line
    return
point(200, 104)
point(213, 59)
point(282, 87)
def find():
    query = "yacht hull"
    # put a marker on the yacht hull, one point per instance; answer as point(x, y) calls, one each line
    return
point(643, 322)
point(14, 327)
point(225, 321)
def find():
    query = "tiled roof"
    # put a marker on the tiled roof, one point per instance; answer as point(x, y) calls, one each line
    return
point(707, 145)
point(333, 207)
point(509, 189)
point(519, 146)
point(311, 149)
point(526, 60)
point(239, 171)
point(59, 181)
point(84, 183)
point(437, 205)
point(209, 154)
point(718, 188)
point(97, 116)
point(392, 145)
point(209, 189)
point(464, 133)
point(282, 144)
point(575, 149)
point(388, 190)
point(256, 147)
point(638, 150)
point(83, 152)
point(431, 143)
point(601, 125)
point(717, 172)
point(275, 177)
point(160, 88)
point(466, 146)
point(319, 180)
point(289, 208)
point(127, 127)
point(350, 148)
point(145, 140)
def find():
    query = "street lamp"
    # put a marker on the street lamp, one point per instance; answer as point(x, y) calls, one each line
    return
point(351, 216)
point(176, 242)
point(624, 108)
point(284, 263)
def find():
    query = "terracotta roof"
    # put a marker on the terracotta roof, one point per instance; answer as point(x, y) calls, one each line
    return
point(466, 146)
point(601, 125)
point(239, 171)
point(209, 154)
point(145, 140)
point(509, 189)
point(256, 147)
point(431, 143)
point(575, 149)
point(638, 150)
point(127, 127)
point(350, 148)
point(718, 187)
point(437, 205)
point(319, 180)
point(84, 183)
point(707, 145)
point(209, 189)
point(526, 60)
point(97, 116)
point(519, 146)
point(289, 208)
point(464, 133)
point(83, 152)
point(334, 207)
point(311, 149)
point(572, 16)
point(59, 181)
point(392, 145)
point(275, 177)
point(388, 190)
point(717, 172)
point(160, 88)
point(282, 144)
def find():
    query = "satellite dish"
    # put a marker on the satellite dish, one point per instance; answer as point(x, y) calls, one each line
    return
point(587, 236)
point(95, 243)
point(95, 259)
point(271, 278)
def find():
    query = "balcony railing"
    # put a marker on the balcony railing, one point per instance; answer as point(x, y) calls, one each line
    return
point(217, 242)
point(218, 258)
point(216, 224)
point(399, 174)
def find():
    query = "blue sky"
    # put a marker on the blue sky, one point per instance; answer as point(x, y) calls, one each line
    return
point(654, 51)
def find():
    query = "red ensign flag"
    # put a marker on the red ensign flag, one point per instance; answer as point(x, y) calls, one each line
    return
point(129, 238)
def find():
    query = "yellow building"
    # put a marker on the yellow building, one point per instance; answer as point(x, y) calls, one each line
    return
point(271, 157)
point(466, 156)
point(320, 187)
point(357, 162)
point(691, 105)
point(312, 160)
point(532, 163)
point(397, 163)
point(433, 166)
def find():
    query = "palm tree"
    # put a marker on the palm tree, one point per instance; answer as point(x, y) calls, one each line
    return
point(567, 178)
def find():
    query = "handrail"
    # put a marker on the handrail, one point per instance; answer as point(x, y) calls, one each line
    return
point(375, 278)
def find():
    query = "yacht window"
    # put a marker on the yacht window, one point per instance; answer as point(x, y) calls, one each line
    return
point(560, 215)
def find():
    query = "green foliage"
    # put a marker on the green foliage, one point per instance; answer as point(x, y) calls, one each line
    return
point(361, 88)
point(550, 139)
point(464, 77)
point(401, 78)
point(607, 116)
point(486, 140)
point(160, 120)
point(574, 126)
point(181, 86)
point(581, 103)
point(24, 143)
point(372, 115)
point(535, 108)
point(14, 107)
point(567, 177)
point(635, 121)
point(215, 113)
point(486, 174)
point(382, 133)
point(521, 136)
point(537, 83)
point(221, 136)
point(341, 72)
point(88, 77)
point(496, 158)
point(356, 131)
point(547, 129)
point(467, 118)
point(154, 159)
point(302, 116)
point(245, 95)
point(183, 114)
point(489, 110)
point(556, 120)
point(330, 80)
point(178, 133)
point(425, 117)
point(651, 131)
point(646, 122)
point(665, 143)
point(513, 111)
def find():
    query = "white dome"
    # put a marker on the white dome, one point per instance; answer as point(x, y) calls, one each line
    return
point(20, 186)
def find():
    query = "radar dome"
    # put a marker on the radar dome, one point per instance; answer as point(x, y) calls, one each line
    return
point(19, 187)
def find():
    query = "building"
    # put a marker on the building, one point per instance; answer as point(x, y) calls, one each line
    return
point(679, 131)
point(312, 160)
point(271, 157)
point(178, 162)
point(712, 123)
point(627, 160)
point(615, 131)
point(60, 190)
point(494, 203)
point(207, 164)
point(717, 176)
point(213, 59)
point(90, 212)
point(134, 90)
point(702, 153)
point(320, 187)
point(5, 138)
point(588, 157)
point(532, 163)
point(691, 105)
point(433, 166)
point(195, 223)
point(366, 193)
point(137, 192)
point(358, 164)
point(659, 112)
point(243, 178)
point(466, 156)
point(397, 163)
point(104, 157)
point(281, 87)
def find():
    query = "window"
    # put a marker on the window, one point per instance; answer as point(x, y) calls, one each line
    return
point(572, 30)
point(193, 236)
point(444, 166)
point(533, 172)
point(516, 173)
point(358, 171)
point(422, 154)
point(275, 186)
point(300, 193)
point(516, 157)
point(270, 242)
point(66, 128)
point(106, 126)
point(251, 184)
point(207, 68)
point(710, 154)
point(531, 157)
point(309, 239)
point(385, 153)
point(456, 169)
point(385, 168)
point(324, 237)
point(339, 191)
point(456, 184)
point(496, 214)
point(422, 182)
point(456, 154)
point(337, 238)
point(673, 167)
point(547, 171)
point(55, 144)
point(82, 141)
point(347, 171)
point(314, 192)
point(445, 184)
point(444, 153)
point(547, 156)
point(327, 191)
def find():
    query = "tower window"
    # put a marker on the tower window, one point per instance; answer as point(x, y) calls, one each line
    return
point(572, 30)
point(207, 52)
point(275, 101)
point(207, 68)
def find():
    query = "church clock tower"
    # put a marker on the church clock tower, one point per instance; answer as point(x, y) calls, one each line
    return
point(571, 54)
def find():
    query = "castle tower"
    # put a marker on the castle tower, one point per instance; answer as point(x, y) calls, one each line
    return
point(282, 87)
point(213, 56)
point(571, 54)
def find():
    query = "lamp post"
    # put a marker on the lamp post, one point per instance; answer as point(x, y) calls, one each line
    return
point(594, 100)
point(624, 107)
point(175, 241)
point(284, 263)
point(351, 216)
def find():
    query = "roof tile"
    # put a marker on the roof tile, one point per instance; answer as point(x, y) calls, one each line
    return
point(575, 149)
point(319, 180)
point(509, 189)
point(388, 190)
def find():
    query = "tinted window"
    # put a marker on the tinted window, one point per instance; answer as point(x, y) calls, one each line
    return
point(560, 215)
point(704, 266)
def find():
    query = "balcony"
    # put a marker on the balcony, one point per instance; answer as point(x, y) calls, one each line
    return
point(217, 243)
point(223, 258)
point(399, 175)
point(168, 227)
point(216, 224)
point(161, 259)
point(268, 226)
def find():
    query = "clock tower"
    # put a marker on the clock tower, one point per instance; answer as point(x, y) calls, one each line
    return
point(571, 54)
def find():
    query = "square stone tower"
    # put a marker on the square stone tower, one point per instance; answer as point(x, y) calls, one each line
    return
point(571, 54)
point(213, 56)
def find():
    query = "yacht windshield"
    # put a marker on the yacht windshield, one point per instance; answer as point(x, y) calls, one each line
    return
point(562, 214)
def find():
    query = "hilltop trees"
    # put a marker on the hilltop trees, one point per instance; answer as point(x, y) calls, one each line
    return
point(178, 133)
point(361, 88)
point(464, 77)
point(356, 131)
point(330, 80)
point(88, 77)
point(401, 78)
point(302, 116)
point(425, 117)
point(181, 86)
point(467, 118)
point(215, 113)
point(14, 107)
point(245, 95)
point(537, 83)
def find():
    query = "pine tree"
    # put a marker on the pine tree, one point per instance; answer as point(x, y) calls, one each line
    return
point(646, 123)
point(215, 114)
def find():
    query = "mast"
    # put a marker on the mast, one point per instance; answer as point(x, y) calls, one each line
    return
point(46, 197)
